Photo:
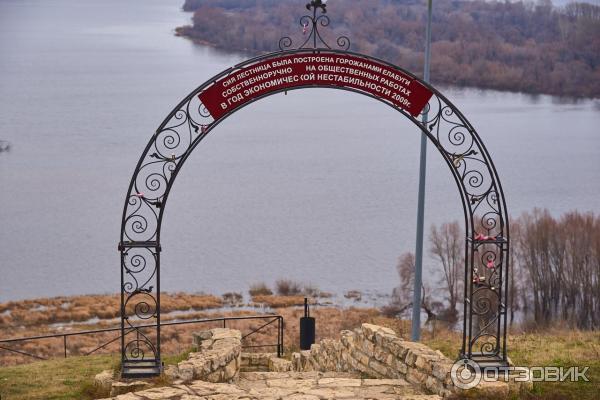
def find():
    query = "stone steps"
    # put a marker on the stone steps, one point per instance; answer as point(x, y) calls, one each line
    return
point(325, 385)
point(288, 385)
point(263, 362)
point(403, 371)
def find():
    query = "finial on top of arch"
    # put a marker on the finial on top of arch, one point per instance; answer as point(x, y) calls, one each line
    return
point(314, 4)
point(310, 28)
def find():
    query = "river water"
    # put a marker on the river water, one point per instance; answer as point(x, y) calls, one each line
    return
point(317, 186)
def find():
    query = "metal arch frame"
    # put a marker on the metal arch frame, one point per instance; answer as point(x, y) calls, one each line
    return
point(485, 215)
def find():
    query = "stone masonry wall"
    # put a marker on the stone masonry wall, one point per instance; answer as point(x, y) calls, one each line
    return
point(217, 359)
point(264, 362)
point(379, 353)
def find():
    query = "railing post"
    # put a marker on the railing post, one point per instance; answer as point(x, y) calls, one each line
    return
point(65, 344)
point(279, 336)
point(223, 322)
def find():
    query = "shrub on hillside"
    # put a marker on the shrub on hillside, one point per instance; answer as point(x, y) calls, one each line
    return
point(260, 289)
point(311, 291)
point(286, 287)
point(233, 299)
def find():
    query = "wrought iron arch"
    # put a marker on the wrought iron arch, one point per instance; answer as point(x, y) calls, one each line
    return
point(481, 195)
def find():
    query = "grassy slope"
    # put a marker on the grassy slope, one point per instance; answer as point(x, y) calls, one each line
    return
point(70, 378)
point(561, 349)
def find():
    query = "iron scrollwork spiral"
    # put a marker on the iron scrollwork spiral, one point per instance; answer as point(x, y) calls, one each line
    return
point(139, 245)
point(310, 25)
point(487, 231)
point(156, 169)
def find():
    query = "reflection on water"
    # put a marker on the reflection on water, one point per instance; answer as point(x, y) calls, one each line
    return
point(317, 186)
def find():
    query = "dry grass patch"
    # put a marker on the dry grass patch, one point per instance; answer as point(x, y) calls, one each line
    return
point(277, 301)
point(85, 308)
point(34, 318)
point(260, 289)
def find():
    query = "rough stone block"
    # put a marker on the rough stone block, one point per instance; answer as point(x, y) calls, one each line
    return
point(203, 335)
point(400, 366)
point(346, 338)
point(367, 347)
point(118, 388)
point(223, 333)
point(416, 377)
point(397, 348)
point(425, 362)
point(230, 371)
point(441, 370)
point(214, 377)
point(410, 358)
point(380, 368)
point(296, 362)
point(218, 358)
point(171, 372)
point(434, 385)
point(279, 364)
point(103, 382)
point(361, 357)
point(185, 371)
point(369, 330)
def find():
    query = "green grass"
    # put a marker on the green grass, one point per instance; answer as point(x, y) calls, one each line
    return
point(176, 358)
point(559, 348)
point(70, 378)
point(572, 390)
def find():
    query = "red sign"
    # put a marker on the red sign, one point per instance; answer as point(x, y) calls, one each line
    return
point(315, 69)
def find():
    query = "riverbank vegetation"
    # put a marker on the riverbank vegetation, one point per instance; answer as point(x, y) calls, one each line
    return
point(521, 46)
point(554, 279)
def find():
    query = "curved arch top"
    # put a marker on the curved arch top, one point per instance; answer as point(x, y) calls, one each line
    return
point(480, 191)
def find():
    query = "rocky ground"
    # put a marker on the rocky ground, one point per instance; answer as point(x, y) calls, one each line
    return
point(287, 385)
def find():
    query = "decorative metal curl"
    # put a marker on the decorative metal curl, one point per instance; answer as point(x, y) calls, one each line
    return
point(139, 270)
point(310, 27)
point(139, 348)
point(486, 344)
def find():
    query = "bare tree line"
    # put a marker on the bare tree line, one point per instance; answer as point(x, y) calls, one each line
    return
point(554, 276)
point(557, 268)
point(507, 45)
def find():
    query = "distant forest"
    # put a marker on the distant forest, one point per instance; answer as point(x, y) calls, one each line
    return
point(516, 46)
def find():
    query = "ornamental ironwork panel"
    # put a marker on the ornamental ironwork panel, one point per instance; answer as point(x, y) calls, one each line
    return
point(476, 178)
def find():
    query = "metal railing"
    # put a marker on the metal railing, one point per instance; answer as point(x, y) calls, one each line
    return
point(270, 319)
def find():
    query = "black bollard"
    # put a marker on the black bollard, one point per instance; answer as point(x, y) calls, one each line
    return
point(307, 328)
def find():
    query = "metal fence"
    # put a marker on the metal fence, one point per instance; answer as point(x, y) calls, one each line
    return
point(269, 321)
